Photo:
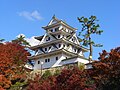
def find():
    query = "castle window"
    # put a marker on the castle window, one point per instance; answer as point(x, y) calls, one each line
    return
point(75, 50)
point(48, 38)
point(45, 49)
point(51, 30)
point(48, 60)
point(57, 29)
point(64, 45)
point(45, 60)
point(72, 39)
point(49, 48)
point(67, 45)
point(58, 36)
point(38, 62)
point(56, 58)
point(59, 45)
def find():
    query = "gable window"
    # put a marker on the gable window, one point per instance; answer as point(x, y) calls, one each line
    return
point(72, 39)
point(75, 50)
point(49, 47)
point(64, 45)
point(57, 29)
point(59, 45)
point(51, 30)
point(58, 36)
point(38, 62)
point(45, 49)
point(67, 45)
point(48, 38)
point(56, 58)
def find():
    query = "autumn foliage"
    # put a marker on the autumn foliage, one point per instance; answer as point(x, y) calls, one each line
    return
point(68, 79)
point(12, 59)
point(107, 70)
point(105, 74)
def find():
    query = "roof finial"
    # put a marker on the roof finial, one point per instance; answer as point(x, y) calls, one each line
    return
point(53, 16)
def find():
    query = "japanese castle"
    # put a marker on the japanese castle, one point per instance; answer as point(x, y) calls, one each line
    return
point(59, 46)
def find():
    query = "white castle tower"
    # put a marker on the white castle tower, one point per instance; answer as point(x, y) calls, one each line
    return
point(59, 46)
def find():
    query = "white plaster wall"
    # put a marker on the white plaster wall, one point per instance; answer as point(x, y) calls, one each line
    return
point(54, 28)
point(69, 48)
point(60, 27)
point(88, 66)
point(82, 60)
point(68, 61)
point(53, 62)
point(53, 48)
point(43, 39)
point(39, 52)
point(81, 53)
point(73, 60)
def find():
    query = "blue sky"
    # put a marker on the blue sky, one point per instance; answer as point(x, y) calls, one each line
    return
point(28, 16)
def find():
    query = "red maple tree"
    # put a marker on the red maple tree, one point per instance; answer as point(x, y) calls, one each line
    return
point(107, 70)
point(68, 79)
point(12, 60)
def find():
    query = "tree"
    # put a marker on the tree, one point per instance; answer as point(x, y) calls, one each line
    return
point(89, 27)
point(1, 41)
point(46, 74)
point(13, 57)
point(21, 40)
point(68, 79)
point(107, 70)
point(74, 79)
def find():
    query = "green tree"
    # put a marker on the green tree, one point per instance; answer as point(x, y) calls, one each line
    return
point(46, 74)
point(21, 40)
point(89, 28)
point(1, 41)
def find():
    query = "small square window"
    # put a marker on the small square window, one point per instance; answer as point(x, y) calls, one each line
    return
point(45, 49)
point(38, 62)
point(45, 60)
point(51, 30)
point(48, 38)
point(59, 45)
point(75, 50)
point(56, 29)
point(56, 58)
point(49, 47)
point(58, 36)
point(48, 60)
point(67, 45)
point(72, 39)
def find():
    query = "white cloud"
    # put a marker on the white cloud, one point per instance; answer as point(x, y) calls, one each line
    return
point(20, 35)
point(32, 41)
point(35, 15)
